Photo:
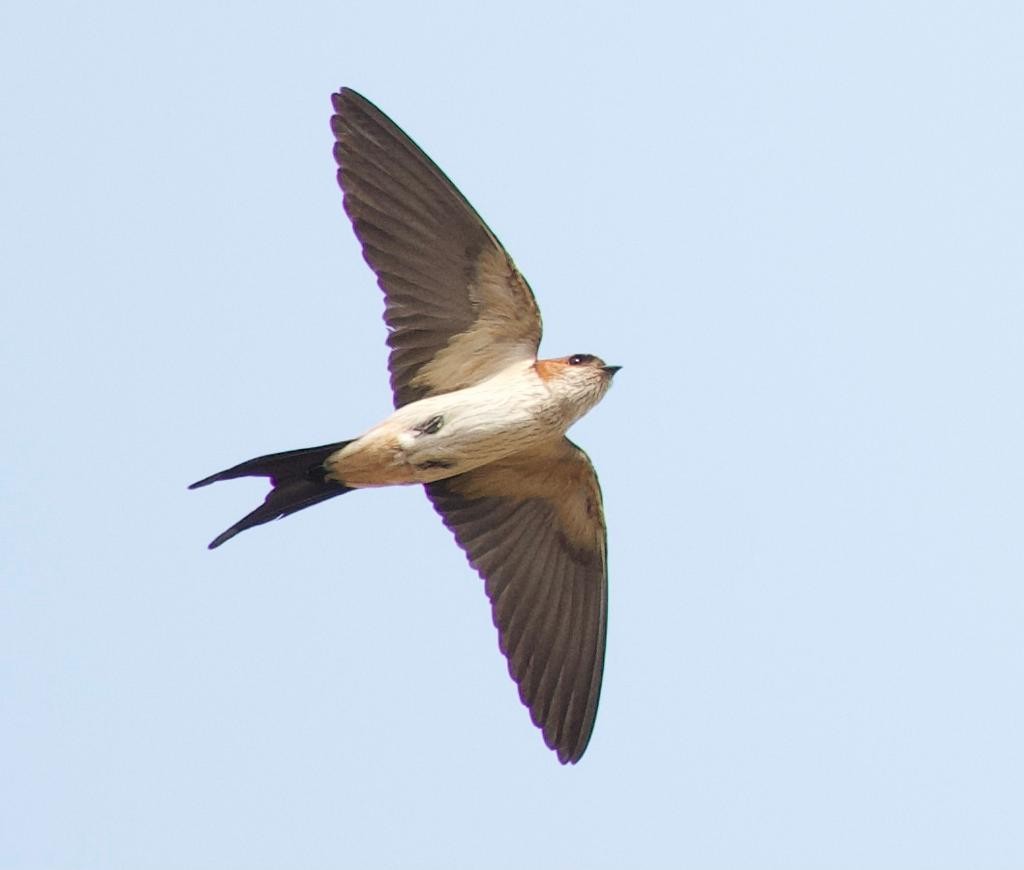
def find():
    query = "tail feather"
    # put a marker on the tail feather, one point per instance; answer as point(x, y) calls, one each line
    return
point(299, 480)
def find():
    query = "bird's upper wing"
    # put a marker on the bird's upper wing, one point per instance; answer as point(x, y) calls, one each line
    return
point(533, 527)
point(457, 308)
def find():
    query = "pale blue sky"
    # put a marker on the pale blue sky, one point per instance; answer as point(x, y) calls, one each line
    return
point(798, 226)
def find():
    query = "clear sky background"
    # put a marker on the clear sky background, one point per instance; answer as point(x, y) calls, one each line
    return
point(800, 229)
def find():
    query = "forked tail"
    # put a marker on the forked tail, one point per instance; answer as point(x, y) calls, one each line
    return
point(299, 480)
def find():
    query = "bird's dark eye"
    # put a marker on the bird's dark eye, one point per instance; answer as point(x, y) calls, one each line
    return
point(578, 359)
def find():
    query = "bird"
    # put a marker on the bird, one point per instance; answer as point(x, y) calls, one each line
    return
point(479, 422)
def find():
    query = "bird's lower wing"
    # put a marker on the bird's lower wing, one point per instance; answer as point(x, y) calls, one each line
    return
point(533, 527)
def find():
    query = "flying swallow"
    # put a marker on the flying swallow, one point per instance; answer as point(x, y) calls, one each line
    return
point(479, 420)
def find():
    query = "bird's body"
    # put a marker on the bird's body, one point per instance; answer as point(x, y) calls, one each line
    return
point(479, 420)
point(523, 406)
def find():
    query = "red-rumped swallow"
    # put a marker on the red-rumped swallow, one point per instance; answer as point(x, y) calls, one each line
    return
point(479, 420)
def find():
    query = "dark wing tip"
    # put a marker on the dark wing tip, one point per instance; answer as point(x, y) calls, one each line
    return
point(338, 99)
point(573, 752)
point(565, 756)
point(347, 97)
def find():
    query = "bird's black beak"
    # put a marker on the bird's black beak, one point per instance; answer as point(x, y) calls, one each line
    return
point(611, 370)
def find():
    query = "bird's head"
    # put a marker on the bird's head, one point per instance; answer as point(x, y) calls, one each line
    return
point(580, 380)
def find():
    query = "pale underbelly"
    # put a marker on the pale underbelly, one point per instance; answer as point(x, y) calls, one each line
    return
point(438, 445)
